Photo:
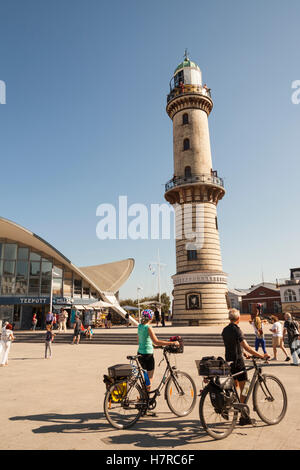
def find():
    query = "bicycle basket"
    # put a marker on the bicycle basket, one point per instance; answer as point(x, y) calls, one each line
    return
point(171, 348)
point(212, 366)
point(120, 370)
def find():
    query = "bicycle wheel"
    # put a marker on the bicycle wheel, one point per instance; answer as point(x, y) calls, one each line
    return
point(218, 424)
point(270, 399)
point(124, 404)
point(181, 393)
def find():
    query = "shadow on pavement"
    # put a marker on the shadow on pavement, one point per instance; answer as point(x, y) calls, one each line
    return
point(163, 432)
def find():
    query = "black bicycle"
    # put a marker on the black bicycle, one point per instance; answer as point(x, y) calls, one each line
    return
point(127, 398)
point(220, 404)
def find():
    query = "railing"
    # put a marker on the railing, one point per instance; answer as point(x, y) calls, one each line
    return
point(204, 178)
point(186, 88)
point(287, 281)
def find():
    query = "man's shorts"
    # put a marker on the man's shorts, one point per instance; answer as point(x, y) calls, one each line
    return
point(239, 368)
point(276, 341)
point(147, 361)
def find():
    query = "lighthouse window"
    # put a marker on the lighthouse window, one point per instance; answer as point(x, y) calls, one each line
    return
point(185, 119)
point(187, 172)
point(191, 255)
point(216, 223)
point(186, 144)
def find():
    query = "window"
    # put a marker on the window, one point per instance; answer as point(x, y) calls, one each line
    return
point(216, 223)
point(77, 287)
point(191, 255)
point(23, 253)
point(186, 144)
point(289, 296)
point(187, 172)
point(10, 251)
point(185, 119)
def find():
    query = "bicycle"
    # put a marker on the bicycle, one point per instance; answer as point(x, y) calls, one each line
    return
point(128, 399)
point(220, 404)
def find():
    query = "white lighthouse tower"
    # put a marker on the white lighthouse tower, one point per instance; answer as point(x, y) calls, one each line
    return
point(200, 285)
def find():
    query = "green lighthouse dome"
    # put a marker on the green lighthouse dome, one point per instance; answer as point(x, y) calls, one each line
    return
point(187, 63)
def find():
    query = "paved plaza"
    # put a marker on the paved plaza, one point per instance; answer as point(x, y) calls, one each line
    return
point(57, 403)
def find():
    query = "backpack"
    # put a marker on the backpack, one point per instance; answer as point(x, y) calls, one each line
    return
point(294, 328)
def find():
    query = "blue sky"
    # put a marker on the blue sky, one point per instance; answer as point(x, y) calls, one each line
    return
point(85, 122)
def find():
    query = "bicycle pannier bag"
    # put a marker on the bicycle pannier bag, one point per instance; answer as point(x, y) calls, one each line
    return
point(210, 366)
point(120, 370)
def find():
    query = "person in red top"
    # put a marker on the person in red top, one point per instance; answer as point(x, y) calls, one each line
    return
point(34, 321)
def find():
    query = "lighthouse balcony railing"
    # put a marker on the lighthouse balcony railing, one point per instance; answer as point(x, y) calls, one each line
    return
point(186, 88)
point(206, 179)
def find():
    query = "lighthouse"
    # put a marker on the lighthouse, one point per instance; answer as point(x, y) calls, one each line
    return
point(200, 285)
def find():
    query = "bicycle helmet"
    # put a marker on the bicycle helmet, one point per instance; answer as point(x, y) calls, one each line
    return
point(147, 314)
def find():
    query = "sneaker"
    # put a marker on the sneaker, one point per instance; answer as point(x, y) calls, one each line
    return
point(273, 359)
point(244, 420)
point(150, 413)
point(287, 359)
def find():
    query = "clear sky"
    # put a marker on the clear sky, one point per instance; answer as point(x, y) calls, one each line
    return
point(85, 122)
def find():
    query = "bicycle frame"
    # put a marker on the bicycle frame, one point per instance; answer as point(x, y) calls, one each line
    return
point(140, 377)
point(257, 374)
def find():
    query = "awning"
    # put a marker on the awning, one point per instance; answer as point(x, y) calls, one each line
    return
point(79, 307)
point(100, 304)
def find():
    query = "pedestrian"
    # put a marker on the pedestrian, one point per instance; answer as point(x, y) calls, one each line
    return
point(49, 318)
point(256, 322)
point(77, 329)
point(235, 347)
point(163, 318)
point(48, 340)
point(109, 318)
point(54, 323)
point(89, 332)
point(127, 319)
point(146, 338)
point(277, 338)
point(65, 319)
point(34, 322)
point(157, 316)
point(291, 327)
point(6, 339)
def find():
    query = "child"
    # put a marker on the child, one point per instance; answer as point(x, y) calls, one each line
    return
point(48, 340)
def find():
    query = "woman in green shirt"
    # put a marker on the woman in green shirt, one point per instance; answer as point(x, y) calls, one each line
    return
point(146, 339)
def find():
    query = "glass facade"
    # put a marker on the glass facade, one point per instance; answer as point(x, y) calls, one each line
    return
point(23, 271)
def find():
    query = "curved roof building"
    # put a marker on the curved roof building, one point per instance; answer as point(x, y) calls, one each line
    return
point(36, 277)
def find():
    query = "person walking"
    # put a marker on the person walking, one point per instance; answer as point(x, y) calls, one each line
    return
point(163, 318)
point(48, 340)
point(157, 317)
point(77, 329)
point(34, 322)
point(256, 322)
point(49, 318)
point(277, 338)
point(65, 319)
point(109, 318)
point(235, 347)
point(54, 323)
point(6, 339)
point(146, 339)
point(291, 327)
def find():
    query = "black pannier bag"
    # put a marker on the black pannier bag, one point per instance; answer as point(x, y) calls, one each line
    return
point(210, 366)
point(120, 370)
point(175, 349)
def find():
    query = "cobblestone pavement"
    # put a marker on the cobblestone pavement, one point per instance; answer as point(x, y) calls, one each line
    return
point(58, 404)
